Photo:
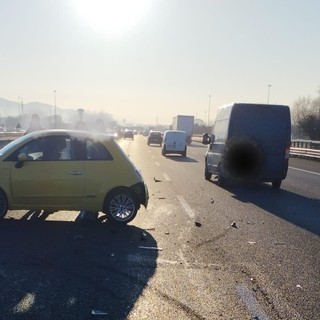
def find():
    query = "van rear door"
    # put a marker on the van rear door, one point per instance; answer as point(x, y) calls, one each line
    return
point(270, 127)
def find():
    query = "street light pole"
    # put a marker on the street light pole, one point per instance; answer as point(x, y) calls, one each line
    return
point(55, 110)
point(19, 108)
point(269, 86)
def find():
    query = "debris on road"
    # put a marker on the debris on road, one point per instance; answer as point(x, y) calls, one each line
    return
point(198, 224)
point(279, 243)
point(167, 232)
point(251, 242)
point(234, 225)
point(150, 248)
point(78, 236)
point(156, 180)
point(212, 200)
point(143, 236)
point(298, 286)
point(98, 313)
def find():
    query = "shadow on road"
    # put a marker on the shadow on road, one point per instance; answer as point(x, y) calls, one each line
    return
point(65, 270)
point(302, 211)
point(180, 159)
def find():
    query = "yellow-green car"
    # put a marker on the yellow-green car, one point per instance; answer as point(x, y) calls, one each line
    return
point(70, 170)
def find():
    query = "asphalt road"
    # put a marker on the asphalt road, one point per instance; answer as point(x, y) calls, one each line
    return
point(197, 252)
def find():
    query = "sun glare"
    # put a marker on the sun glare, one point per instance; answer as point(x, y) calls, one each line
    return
point(112, 17)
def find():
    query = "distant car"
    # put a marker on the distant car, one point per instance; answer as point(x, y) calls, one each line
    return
point(2, 129)
point(154, 137)
point(70, 170)
point(128, 134)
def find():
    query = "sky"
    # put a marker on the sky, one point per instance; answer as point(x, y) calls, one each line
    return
point(147, 62)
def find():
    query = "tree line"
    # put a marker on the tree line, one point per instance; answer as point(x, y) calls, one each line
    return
point(306, 115)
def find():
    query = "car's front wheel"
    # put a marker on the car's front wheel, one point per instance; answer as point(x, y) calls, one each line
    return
point(3, 204)
point(121, 206)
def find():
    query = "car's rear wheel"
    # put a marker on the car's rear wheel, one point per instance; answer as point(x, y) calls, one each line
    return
point(163, 150)
point(121, 206)
point(3, 204)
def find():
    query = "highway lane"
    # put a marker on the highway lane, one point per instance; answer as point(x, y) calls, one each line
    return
point(276, 242)
point(197, 252)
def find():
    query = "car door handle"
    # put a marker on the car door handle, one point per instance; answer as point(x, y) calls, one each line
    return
point(75, 173)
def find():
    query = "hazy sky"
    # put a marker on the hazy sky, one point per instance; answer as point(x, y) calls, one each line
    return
point(148, 62)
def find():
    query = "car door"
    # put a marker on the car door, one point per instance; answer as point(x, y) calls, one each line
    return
point(56, 182)
point(101, 174)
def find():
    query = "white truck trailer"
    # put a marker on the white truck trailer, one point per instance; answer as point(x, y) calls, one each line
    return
point(184, 123)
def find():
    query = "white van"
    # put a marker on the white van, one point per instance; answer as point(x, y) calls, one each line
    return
point(174, 142)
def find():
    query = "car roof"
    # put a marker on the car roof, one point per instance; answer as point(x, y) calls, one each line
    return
point(96, 136)
point(73, 133)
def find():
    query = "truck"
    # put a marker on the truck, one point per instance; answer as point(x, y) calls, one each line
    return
point(184, 123)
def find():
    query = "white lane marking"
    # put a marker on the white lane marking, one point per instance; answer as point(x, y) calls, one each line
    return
point(186, 207)
point(251, 303)
point(166, 177)
point(318, 174)
point(157, 164)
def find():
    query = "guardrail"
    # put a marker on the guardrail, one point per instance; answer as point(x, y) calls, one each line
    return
point(308, 149)
point(10, 135)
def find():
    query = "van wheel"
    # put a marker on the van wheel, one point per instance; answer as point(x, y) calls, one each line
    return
point(221, 180)
point(184, 153)
point(207, 174)
point(121, 206)
point(163, 152)
point(276, 184)
point(3, 204)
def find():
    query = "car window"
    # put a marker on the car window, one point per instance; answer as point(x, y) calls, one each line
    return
point(96, 151)
point(51, 148)
point(89, 150)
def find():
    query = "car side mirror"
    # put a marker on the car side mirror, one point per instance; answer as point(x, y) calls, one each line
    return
point(206, 139)
point(22, 157)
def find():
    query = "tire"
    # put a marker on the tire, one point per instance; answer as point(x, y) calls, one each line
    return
point(121, 206)
point(207, 174)
point(184, 153)
point(3, 204)
point(221, 180)
point(276, 184)
point(163, 152)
